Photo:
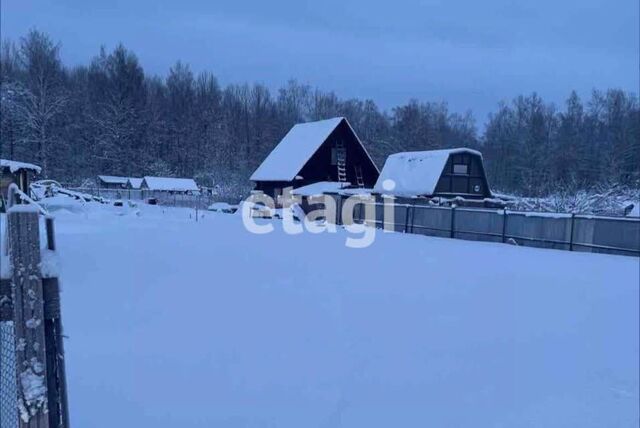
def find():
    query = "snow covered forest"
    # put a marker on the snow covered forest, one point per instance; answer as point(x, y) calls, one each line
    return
point(110, 117)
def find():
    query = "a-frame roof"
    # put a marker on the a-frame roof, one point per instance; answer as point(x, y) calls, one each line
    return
point(296, 148)
point(416, 173)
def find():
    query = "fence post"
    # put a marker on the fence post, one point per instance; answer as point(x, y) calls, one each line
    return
point(406, 218)
point(197, 206)
point(56, 373)
point(453, 221)
point(573, 219)
point(504, 226)
point(28, 308)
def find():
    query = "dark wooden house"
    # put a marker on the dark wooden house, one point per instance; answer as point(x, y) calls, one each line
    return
point(16, 172)
point(436, 173)
point(112, 182)
point(327, 150)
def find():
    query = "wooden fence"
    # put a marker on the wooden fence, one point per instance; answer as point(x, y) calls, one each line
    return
point(32, 367)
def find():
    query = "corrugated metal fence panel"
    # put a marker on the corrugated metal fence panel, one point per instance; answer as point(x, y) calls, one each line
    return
point(431, 221)
point(479, 225)
point(607, 234)
point(401, 218)
point(543, 231)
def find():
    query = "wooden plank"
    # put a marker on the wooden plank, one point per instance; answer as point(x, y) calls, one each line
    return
point(24, 251)
point(6, 300)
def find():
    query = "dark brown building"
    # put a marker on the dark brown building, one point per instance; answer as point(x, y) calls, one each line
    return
point(327, 150)
point(445, 173)
point(15, 172)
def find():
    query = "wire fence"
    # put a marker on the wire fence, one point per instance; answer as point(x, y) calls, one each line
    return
point(8, 381)
point(167, 198)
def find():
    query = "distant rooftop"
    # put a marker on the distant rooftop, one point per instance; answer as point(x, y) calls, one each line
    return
point(15, 166)
point(113, 179)
point(170, 184)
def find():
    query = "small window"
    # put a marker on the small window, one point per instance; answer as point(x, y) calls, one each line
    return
point(461, 168)
point(334, 156)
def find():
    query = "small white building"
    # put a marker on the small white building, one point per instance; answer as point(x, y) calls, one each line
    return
point(112, 182)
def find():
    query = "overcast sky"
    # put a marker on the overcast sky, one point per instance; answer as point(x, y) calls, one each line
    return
point(471, 54)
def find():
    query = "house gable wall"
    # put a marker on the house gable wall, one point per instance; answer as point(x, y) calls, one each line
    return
point(471, 185)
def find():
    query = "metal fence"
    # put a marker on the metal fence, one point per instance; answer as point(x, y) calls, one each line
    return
point(8, 381)
point(572, 232)
point(173, 199)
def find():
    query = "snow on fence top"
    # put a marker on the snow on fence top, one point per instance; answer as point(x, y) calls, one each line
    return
point(295, 149)
point(169, 184)
point(320, 188)
point(416, 173)
point(113, 179)
point(15, 166)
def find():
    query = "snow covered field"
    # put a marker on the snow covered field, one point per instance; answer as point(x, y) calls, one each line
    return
point(177, 323)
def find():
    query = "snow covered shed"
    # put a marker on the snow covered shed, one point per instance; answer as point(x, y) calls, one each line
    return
point(112, 182)
point(134, 183)
point(16, 172)
point(169, 184)
point(446, 173)
point(327, 150)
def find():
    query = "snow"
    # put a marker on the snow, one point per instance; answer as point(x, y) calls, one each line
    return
point(296, 148)
point(6, 268)
point(356, 191)
point(24, 208)
point(320, 188)
point(175, 322)
point(170, 184)
point(602, 200)
point(63, 202)
point(635, 211)
point(223, 207)
point(49, 264)
point(415, 173)
point(35, 391)
point(135, 182)
point(15, 166)
point(113, 179)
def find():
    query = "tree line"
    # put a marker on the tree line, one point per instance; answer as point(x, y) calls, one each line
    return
point(110, 117)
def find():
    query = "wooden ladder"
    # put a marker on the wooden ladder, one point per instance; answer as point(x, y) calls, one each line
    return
point(341, 157)
point(359, 178)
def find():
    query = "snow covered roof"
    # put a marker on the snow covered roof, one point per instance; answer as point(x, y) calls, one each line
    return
point(415, 173)
point(320, 188)
point(135, 182)
point(296, 148)
point(113, 179)
point(170, 184)
point(15, 165)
